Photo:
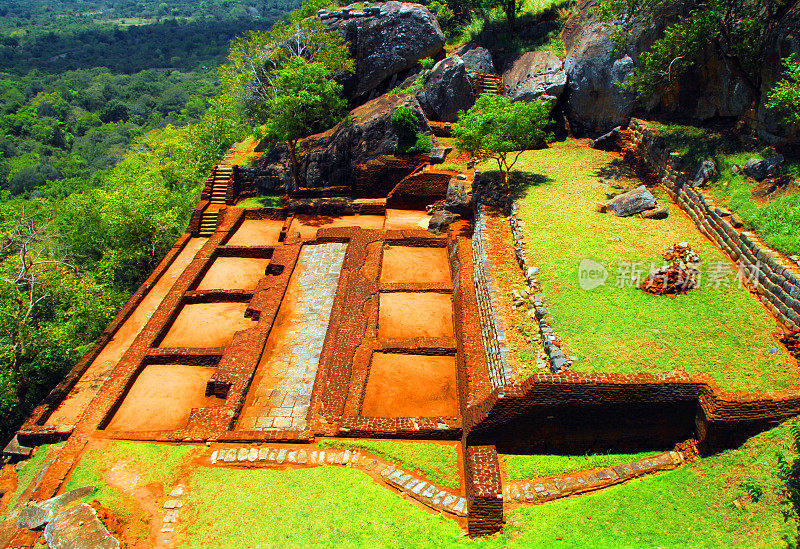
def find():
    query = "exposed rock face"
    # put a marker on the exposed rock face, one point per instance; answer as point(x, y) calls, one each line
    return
point(385, 44)
point(457, 199)
point(78, 528)
point(608, 141)
point(440, 221)
point(762, 169)
point(535, 75)
point(447, 90)
point(784, 41)
point(328, 159)
point(594, 101)
point(479, 59)
point(705, 173)
point(36, 514)
point(632, 202)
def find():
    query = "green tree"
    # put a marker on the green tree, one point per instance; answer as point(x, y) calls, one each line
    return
point(736, 30)
point(785, 96)
point(501, 130)
point(304, 99)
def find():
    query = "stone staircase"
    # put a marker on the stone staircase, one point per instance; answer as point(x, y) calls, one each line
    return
point(485, 83)
point(208, 223)
point(221, 180)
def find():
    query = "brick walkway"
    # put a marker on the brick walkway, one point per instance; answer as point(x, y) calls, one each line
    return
point(281, 393)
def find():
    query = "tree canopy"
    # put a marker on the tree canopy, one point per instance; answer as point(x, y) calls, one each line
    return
point(500, 129)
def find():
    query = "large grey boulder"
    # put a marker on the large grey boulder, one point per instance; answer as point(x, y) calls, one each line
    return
point(387, 43)
point(705, 173)
point(329, 159)
point(447, 90)
point(595, 66)
point(632, 202)
point(78, 528)
point(478, 59)
point(440, 220)
point(457, 199)
point(36, 514)
point(535, 75)
point(762, 169)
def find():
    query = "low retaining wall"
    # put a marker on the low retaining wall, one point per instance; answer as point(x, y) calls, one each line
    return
point(484, 490)
point(775, 279)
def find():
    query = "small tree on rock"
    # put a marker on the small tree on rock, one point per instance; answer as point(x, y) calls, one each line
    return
point(501, 130)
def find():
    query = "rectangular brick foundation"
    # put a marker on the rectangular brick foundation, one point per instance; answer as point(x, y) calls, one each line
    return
point(484, 490)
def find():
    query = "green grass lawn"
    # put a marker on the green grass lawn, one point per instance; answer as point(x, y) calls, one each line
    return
point(263, 201)
point(777, 222)
point(143, 463)
point(27, 473)
point(522, 467)
point(722, 331)
point(342, 507)
point(436, 462)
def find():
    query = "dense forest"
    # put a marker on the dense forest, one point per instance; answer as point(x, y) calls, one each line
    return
point(111, 114)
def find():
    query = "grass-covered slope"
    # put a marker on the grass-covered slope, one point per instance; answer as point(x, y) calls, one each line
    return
point(722, 330)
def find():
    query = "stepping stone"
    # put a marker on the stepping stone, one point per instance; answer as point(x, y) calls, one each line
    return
point(560, 484)
point(252, 455)
point(418, 488)
point(429, 492)
point(581, 480)
point(171, 516)
point(449, 500)
point(354, 458)
point(263, 454)
point(281, 456)
point(302, 457)
point(214, 457)
point(313, 458)
point(635, 466)
point(331, 458)
point(620, 471)
point(346, 457)
point(395, 476)
point(526, 490)
point(371, 465)
point(438, 497)
point(461, 506)
point(602, 475)
point(166, 528)
point(321, 458)
point(243, 453)
point(411, 484)
point(173, 504)
point(272, 455)
point(388, 471)
point(292, 457)
point(176, 492)
point(231, 455)
point(515, 492)
point(538, 487)
point(403, 479)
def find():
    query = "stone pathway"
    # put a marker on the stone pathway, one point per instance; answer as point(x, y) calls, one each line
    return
point(555, 487)
point(407, 483)
point(172, 507)
point(281, 394)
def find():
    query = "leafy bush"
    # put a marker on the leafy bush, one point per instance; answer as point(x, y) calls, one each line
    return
point(409, 139)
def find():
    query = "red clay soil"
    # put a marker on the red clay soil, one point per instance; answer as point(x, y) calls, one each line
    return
point(257, 232)
point(234, 273)
point(307, 225)
point(400, 220)
point(413, 264)
point(407, 314)
point(162, 397)
point(410, 386)
point(205, 325)
point(276, 350)
point(72, 407)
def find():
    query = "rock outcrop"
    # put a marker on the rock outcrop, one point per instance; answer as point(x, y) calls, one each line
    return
point(329, 159)
point(386, 44)
point(79, 528)
point(535, 75)
point(478, 59)
point(783, 41)
point(632, 202)
point(447, 90)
